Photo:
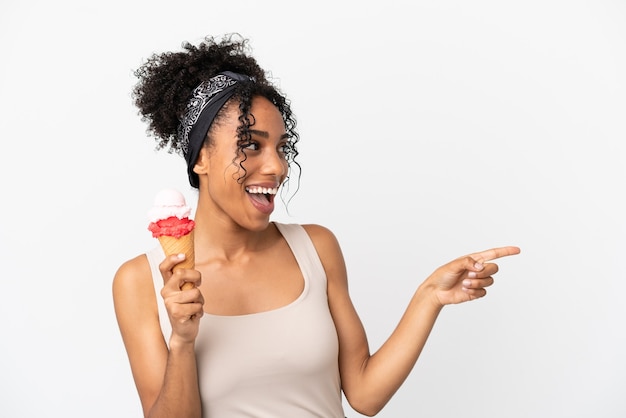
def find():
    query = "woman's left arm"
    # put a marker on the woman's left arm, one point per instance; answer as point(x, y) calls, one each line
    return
point(370, 380)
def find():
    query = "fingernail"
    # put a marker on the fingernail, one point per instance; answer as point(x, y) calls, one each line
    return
point(181, 256)
point(467, 283)
point(478, 266)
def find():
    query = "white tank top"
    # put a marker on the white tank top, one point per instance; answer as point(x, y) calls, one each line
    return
point(281, 363)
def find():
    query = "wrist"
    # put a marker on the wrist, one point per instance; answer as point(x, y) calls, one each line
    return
point(177, 344)
point(428, 292)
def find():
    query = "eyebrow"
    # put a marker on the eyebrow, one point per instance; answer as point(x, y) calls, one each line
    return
point(265, 134)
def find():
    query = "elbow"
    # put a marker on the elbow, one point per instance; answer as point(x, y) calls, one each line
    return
point(368, 413)
point(366, 405)
point(367, 410)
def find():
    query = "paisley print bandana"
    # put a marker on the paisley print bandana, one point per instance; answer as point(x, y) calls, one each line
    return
point(206, 101)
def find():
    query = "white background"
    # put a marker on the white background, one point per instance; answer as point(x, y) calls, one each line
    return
point(430, 129)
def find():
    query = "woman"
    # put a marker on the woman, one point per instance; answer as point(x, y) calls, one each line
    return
point(269, 329)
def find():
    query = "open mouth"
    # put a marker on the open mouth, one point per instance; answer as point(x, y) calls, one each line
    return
point(262, 195)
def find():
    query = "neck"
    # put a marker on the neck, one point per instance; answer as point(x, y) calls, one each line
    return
point(220, 238)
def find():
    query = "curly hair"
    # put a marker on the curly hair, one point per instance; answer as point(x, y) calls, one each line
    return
point(167, 80)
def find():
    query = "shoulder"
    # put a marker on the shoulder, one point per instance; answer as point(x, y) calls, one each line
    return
point(135, 303)
point(133, 284)
point(325, 243)
point(132, 273)
point(321, 236)
point(318, 231)
point(327, 247)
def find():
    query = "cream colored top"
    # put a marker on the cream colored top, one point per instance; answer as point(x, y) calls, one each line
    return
point(274, 364)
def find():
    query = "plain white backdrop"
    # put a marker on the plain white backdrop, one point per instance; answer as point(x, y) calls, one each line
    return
point(430, 129)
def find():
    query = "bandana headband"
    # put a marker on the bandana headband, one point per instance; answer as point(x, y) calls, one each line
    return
point(206, 101)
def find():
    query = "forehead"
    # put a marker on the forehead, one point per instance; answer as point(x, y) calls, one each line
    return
point(266, 119)
point(266, 116)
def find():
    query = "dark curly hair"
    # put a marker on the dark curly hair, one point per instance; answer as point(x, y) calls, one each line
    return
point(167, 80)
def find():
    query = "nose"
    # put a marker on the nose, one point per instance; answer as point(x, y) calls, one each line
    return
point(274, 164)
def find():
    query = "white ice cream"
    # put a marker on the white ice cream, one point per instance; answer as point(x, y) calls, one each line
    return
point(167, 203)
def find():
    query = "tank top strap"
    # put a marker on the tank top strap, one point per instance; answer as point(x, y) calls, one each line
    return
point(155, 257)
point(304, 251)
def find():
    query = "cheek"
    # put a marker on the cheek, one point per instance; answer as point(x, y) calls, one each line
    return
point(225, 175)
point(238, 169)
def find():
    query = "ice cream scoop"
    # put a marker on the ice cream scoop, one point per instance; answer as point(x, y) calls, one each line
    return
point(168, 203)
point(171, 225)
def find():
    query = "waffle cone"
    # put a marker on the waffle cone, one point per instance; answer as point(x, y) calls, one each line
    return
point(184, 245)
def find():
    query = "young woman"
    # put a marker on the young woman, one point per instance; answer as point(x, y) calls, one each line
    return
point(269, 329)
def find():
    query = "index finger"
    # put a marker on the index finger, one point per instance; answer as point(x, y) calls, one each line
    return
point(494, 253)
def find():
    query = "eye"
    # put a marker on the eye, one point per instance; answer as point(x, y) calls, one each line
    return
point(252, 146)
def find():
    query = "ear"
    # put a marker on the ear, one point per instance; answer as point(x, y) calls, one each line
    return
point(202, 164)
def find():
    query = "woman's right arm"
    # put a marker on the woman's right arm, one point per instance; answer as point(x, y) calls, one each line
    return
point(166, 379)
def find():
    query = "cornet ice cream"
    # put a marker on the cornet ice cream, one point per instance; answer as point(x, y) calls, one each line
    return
point(171, 225)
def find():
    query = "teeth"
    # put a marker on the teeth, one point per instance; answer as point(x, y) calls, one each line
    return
point(263, 190)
